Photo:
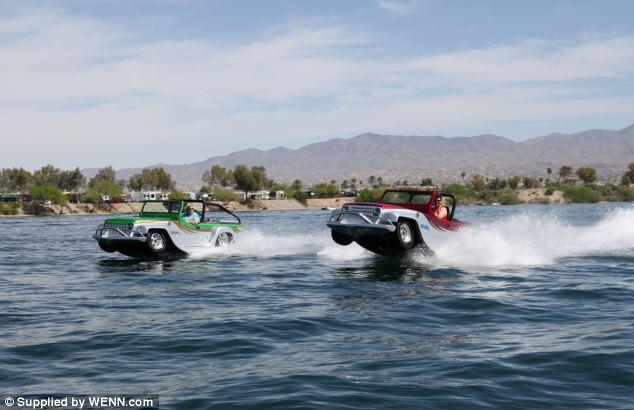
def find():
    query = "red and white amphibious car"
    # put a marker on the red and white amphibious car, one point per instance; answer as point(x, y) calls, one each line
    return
point(402, 220)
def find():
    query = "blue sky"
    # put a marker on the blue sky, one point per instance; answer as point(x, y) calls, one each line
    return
point(131, 83)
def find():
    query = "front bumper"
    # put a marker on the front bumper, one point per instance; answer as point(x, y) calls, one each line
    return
point(109, 236)
point(357, 225)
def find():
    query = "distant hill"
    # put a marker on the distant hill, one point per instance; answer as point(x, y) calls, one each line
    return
point(414, 157)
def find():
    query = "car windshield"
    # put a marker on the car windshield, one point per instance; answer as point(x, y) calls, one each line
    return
point(400, 197)
point(420, 199)
point(215, 214)
point(161, 207)
point(395, 197)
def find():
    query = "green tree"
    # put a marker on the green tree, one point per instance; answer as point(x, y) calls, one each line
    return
point(628, 177)
point(135, 183)
point(47, 192)
point(259, 174)
point(496, 184)
point(218, 176)
point(71, 181)
point(529, 182)
point(549, 170)
point(586, 174)
point(344, 184)
point(353, 183)
point(288, 190)
point(565, 172)
point(514, 181)
point(246, 180)
point(372, 180)
point(297, 185)
point(107, 173)
point(151, 178)
point(426, 182)
point(102, 187)
point(48, 174)
point(379, 181)
point(17, 179)
point(163, 179)
point(4, 181)
point(462, 175)
point(477, 182)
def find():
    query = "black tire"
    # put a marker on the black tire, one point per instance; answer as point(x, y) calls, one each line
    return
point(224, 239)
point(107, 248)
point(405, 236)
point(157, 243)
point(340, 238)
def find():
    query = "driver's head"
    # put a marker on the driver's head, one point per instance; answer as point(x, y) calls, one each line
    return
point(189, 209)
point(438, 200)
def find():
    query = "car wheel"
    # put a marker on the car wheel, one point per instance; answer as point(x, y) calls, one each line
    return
point(224, 239)
point(157, 243)
point(340, 238)
point(405, 235)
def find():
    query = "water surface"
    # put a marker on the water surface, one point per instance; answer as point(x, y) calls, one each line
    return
point(530, 308)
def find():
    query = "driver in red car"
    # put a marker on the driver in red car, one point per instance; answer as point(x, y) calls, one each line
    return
point(439, 209)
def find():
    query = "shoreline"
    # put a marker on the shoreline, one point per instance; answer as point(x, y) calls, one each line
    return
point(262, 209)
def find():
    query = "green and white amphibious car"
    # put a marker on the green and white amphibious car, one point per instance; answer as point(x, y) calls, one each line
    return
point(162, 231)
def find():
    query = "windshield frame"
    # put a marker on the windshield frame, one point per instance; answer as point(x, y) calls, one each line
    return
point(172, 211)
point(410, 194)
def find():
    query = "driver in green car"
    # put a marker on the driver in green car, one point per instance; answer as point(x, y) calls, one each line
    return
point(191, 215)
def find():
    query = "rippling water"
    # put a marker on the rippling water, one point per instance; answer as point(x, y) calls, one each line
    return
point(533, 307)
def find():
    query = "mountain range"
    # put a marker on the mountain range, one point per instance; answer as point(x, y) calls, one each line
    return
point(414, 157)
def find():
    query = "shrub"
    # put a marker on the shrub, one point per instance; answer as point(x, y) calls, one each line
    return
point(301, 197)
point(509, 198)
point(582, 194)
point(326, 190)
point(224, 194)
point(462, 193)
point(11, 208)
point(369, 195)
point(614, 193)
point(549, 191)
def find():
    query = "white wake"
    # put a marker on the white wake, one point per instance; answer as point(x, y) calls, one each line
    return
point(525, 240)
point(255, 243)
point(519, 240)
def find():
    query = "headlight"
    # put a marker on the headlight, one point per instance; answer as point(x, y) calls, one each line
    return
point(130, 226)
point(141, 229)
point(376, 211)
point(345, 208)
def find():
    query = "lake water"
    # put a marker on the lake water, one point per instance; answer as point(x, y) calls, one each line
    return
point(532, 307)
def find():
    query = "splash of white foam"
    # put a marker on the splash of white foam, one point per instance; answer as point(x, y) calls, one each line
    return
point(258, 244)
point(525, 240)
